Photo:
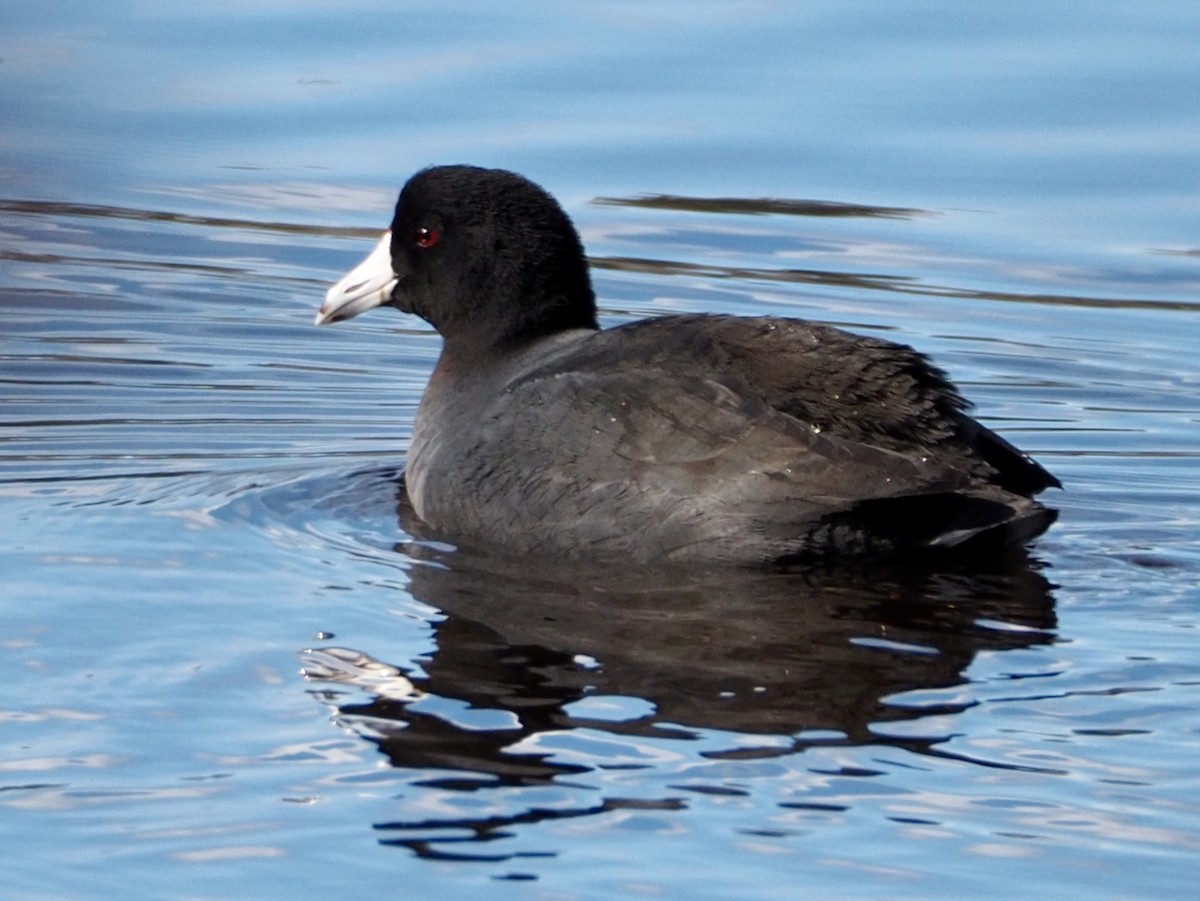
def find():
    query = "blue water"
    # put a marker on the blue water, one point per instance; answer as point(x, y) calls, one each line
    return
point(229, 670)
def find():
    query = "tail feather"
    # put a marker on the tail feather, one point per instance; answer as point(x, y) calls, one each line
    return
point(943, 521)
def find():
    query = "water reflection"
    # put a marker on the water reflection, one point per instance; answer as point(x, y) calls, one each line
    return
point(875, 282)
point(863, 280)
point(763, 206)
point(776, 661)
point(64, 210)
point(48, 250)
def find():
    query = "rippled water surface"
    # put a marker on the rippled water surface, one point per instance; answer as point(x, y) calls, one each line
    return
point(230, 670)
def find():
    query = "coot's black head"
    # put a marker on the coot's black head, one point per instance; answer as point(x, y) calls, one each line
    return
point(485, 256)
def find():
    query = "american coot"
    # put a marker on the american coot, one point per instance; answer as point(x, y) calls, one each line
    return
point(693, 438)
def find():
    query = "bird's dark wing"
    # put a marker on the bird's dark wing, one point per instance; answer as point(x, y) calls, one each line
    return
point(861, 389)
point(694, 461)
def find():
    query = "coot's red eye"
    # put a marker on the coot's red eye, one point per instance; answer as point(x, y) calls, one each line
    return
point(427, 237)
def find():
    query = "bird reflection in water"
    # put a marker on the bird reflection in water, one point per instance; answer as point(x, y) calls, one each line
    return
point(781, 661)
